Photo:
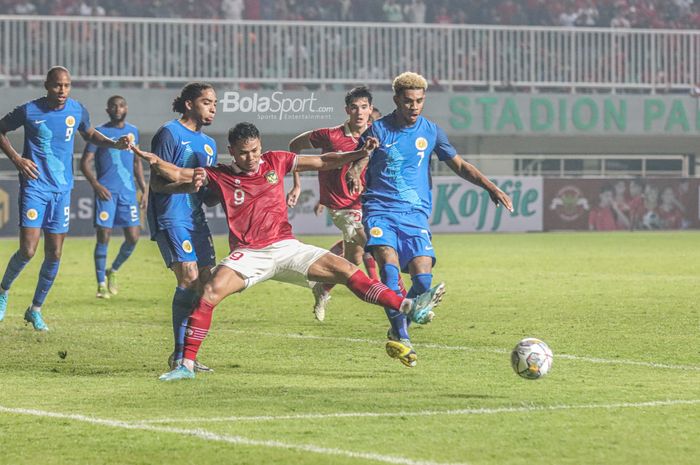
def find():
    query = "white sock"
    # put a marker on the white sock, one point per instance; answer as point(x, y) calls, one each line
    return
point(34, 308)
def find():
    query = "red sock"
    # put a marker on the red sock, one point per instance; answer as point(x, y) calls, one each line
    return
point(373, 291)
point(197, 328)
point(338, 248)
point(371, 266)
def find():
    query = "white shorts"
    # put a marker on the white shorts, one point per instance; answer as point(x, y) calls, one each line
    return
point(287, 261)
point(349, 222)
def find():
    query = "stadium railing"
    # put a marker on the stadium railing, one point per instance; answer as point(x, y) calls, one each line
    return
point(160, 51)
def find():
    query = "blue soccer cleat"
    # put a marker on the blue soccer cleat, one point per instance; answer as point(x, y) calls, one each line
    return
point(181, 372)
point(3, 305)
point(34, 317)
point(421, 309)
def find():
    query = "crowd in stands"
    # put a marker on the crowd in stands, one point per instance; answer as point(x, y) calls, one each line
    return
point(657, 14)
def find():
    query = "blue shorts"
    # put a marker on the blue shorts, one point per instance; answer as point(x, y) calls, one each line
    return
point(122, 210)
point(407, 233)
point(180, 244)
point(49, 211)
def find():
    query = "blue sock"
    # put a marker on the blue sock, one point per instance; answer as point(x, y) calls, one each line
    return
point(100, 261)
point(125, 252)
point(183, 304)
point(47, 275)
point(398, 321)
point(421, 283)
point(14, 268)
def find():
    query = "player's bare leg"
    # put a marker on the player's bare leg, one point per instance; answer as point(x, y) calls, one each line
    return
point(223, 282)
point(336, 270)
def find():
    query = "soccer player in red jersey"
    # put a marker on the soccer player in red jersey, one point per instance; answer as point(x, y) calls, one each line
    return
point(343, 205)
point(260, 236)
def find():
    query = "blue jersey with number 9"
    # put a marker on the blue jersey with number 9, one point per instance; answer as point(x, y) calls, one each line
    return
point(48, 141)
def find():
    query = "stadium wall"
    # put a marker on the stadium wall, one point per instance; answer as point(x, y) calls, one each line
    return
point(477, 123)
point(540, 204)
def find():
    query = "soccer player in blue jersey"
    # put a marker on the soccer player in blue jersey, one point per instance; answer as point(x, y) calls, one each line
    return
point(46, 180)
point(175, 215)
point(397, 202)
point(116, 204)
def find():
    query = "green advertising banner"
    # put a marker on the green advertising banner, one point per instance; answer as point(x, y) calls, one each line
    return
point(533, 114)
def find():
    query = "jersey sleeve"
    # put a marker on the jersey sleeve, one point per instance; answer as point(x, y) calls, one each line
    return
point(137, 136)
point(443, 148)
point(319, 138)
point(286, 161)
point(164, 145)
point(84, 119)
point(15, 118)
point(214, 174)
point(90, 147)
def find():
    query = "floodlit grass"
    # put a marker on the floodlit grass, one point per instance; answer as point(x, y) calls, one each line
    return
point(620, 312)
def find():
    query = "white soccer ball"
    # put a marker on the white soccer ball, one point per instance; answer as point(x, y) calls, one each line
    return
point(531, 358)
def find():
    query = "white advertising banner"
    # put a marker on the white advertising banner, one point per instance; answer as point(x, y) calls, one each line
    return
point(458, 206)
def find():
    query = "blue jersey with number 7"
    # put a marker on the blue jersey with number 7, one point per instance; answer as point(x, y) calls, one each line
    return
point(398, 173)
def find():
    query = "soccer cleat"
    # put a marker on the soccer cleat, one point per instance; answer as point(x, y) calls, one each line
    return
point(34, 317)
point(199, 367)
point(112, 281)
point(181, 372)
point(102, 291)
point(421, 309)
point(321, 298)
point(3, 305)
point(403, 351)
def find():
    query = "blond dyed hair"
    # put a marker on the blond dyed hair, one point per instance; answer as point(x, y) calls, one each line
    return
point(408, 80)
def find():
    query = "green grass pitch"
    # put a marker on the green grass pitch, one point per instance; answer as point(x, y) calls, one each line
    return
point(620, 311)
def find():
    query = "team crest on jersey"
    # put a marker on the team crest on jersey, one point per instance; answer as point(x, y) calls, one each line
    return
point(32, 214)
point(271, 177)
point(187, 246)
point(70, 121)
point(131, 137)
point(421, 143)
point(208, 149)
point(104, 216)
point(376, 232)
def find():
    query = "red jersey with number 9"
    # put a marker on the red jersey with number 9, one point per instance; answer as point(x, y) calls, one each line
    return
point(254, 203)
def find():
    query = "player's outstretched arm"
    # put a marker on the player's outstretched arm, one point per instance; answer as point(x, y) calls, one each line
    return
point(25, 166)
point(170, 172)
point(469, 172)
point(86, 168)
point(333, 160)
point(296, 145)
point(94, 136)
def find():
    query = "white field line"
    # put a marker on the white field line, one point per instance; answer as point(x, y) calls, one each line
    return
point(215, 437)
point(427, 413)
point(608, 361)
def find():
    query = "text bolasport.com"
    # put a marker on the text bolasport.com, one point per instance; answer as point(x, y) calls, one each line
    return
point(275, 106)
